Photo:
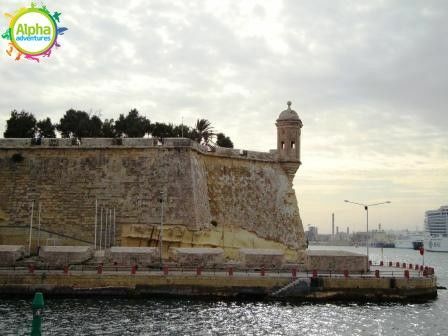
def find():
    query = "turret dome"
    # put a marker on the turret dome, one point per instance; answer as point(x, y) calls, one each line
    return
point(288, 114)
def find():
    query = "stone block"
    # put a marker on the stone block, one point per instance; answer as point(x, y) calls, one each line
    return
point(9, 254)
point(96, 142)
point(335, 261)
point(268, 258)
point(65, 255)
point(197, 256)
point(123, 255)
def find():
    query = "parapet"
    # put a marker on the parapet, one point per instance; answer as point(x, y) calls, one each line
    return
point(123, 255)
point(9, 254)
point(335, 261)
point(93, 142)
point(262, 257)
point(65, 255)
point(197, 256)
point(116, 143)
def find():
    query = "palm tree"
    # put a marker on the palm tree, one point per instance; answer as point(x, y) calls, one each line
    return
point(203, 131)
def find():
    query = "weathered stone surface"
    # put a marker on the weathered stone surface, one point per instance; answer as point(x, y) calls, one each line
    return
point(255, 196)
point(322, 260)
point(65, 255)
point(262, 257)
point(198, 256)
point(9, 254)
point(211, 198)
point(123, 255)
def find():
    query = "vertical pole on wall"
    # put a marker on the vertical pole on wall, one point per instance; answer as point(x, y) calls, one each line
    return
point(115, 227)
point(38, 227)
point(101, 226)
point(368, 236)
point(31, 227)
point(110, 228)
point(161, 227)
point(96, 210)
point(105, 232)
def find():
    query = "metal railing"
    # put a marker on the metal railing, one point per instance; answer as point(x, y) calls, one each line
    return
point(391, 272)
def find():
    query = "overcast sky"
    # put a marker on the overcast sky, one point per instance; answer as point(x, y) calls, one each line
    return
point(369, 79)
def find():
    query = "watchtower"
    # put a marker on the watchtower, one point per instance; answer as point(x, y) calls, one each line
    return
point(289, 128)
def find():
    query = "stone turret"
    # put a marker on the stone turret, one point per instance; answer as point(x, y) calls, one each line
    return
point(288, 141)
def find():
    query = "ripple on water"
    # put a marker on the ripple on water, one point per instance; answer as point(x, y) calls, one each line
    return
point(191, 317)
point(174, 317)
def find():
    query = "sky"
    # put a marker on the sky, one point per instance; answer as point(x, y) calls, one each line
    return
point(368, 79)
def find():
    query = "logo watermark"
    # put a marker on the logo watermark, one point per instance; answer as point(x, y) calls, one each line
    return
point(33, 32)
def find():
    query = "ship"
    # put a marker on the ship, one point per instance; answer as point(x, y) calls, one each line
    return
point(436, 226)
point(411, 240)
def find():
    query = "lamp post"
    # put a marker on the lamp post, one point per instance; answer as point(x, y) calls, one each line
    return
point(366, 208)
point(161, 226)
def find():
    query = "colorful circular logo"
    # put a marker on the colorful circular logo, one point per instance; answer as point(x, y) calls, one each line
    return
point(33, 32)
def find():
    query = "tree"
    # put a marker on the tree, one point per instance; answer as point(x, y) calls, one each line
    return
point(95, 127)
point(203, 131)
point(162, 130)
point(45, 129)
point(133, 125)
point(182, 131)
point(223, 141)
point(74, 124)
point(20, 125)
point(108, 129)
point(79, 124)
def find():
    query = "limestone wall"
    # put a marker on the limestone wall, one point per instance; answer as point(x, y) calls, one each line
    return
point(9, 254)
point(212, 199)
point(66, 183)
point(198, 256)
point(131, 255)
point(262, 258)
point(335, 261)
point(65, 255)
point(255, 196)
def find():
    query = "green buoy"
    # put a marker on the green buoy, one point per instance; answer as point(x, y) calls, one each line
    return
point(38, 306)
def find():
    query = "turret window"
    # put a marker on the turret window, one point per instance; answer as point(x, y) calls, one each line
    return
point(293, 145)
point(283, 145)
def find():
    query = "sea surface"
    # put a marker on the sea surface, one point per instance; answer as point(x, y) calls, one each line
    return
point(202, 317)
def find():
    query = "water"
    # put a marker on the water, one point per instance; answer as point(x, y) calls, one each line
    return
point(195, 317)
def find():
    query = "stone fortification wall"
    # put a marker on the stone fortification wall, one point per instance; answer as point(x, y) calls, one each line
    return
point(9, 254)
point(335, 261)
point(11, 143)
point(210, 195)
point(121, 255)
point(256, 196)
point(66, 182)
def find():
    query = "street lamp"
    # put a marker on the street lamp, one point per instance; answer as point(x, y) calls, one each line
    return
point(366, 208)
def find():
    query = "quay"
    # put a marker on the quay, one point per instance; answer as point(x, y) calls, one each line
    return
point(381, 283)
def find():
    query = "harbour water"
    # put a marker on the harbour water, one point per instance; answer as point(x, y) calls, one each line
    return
point(215, 317)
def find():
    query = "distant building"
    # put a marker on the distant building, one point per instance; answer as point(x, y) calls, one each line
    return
point(378, 238)
point(436, 221)
point(312, 233)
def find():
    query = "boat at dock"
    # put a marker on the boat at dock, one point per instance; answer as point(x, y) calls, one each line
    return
point(411, 240)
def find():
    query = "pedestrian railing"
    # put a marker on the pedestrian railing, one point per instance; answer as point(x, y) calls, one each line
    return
point(397, 270)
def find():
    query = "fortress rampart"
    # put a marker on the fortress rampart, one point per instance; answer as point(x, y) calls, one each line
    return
point(204, 196)
point(222, 198)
